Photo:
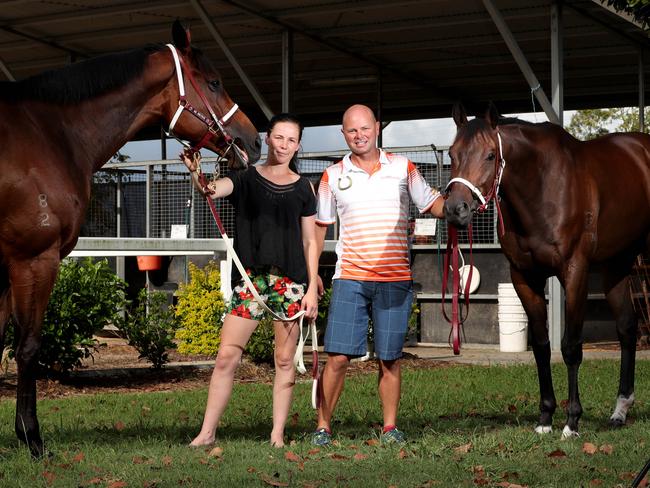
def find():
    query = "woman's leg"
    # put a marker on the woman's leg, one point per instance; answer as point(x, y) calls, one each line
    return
point(234, 335)
point(286, 338)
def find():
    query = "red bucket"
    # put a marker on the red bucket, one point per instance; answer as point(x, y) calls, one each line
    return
point(149, 263)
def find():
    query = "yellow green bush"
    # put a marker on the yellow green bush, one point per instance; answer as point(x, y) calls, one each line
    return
point(200, 310)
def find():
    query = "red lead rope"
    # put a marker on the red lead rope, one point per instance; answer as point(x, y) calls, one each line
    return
point(456, 319)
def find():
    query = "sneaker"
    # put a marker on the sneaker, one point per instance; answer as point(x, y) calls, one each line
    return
point(322, 437)
point(393, 436)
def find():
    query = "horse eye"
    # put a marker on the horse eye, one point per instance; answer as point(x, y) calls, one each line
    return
point(214, 85)
point(490, 157)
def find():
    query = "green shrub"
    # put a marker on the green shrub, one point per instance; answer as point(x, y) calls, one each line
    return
point(87, 296)
point(200, 311)
point(149, 326)
point(261, 345)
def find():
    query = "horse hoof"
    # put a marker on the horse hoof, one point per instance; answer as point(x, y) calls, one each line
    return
point(616, 422)
point(569, 433)
point(543, 429)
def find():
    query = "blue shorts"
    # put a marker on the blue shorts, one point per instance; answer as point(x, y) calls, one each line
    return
point(354, 302)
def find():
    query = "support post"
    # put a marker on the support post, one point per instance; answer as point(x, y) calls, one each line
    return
point(556, 304)
point(641, 92)
point(233, 61)
point(380, 106)
point(287, 70)
point(5, 70)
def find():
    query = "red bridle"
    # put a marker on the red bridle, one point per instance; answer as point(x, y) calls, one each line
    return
point(215, 125)
point(452, 247)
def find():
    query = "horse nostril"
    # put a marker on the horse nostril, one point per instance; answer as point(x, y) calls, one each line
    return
point(462, 208)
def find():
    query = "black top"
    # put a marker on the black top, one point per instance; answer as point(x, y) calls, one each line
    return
point(267, 219)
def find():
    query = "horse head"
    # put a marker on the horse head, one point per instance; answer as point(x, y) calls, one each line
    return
point(475, 154)
point(201, 110)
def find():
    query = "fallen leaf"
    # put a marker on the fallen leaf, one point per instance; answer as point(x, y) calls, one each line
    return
point(371, 442)
point(294, 419)
point(49, 477)
point(589, 448)
point(402, 454)
point(216, 452)
point(478, 471)
point(166, 460)
point(557, 453)
point(138, 460)
point(119, 426)
point(311, 452)
point(292, 456)
point(606, 449)
point(464, 448)
point(151, 483)
point(338, 457)
point(270, 481)
point(117, 484)
point(360, 457)
point(512, 408)
point(92, 481)
point(251, 469)
point(628, 475)
point(596, 482)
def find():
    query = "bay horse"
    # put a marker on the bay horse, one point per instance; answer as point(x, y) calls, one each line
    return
point(59, 127)
point(566, 205)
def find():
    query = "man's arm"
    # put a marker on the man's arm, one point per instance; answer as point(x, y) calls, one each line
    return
point(437, 209)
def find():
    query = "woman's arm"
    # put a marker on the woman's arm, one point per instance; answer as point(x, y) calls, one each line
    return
point(216, 189)
point(310, 247)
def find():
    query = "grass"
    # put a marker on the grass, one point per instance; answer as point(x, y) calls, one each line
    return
point(467, 426)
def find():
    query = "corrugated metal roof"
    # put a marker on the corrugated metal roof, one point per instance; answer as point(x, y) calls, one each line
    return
point(428, 53)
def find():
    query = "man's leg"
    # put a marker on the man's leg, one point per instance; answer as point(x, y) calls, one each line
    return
point(391, 308)
point(331, 381)
point(390, 387)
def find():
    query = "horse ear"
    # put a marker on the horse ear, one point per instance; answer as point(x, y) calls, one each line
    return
point(181, 36)
point(458, 114)
point(492, 115)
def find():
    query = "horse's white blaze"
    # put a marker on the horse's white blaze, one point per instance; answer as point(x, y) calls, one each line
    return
point(622, 406)
point(543, 429)
point(568, 433)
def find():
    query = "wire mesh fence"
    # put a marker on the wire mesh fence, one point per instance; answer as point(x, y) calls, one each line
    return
point(146, 199)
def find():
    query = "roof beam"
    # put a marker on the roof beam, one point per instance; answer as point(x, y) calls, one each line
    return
point(412, 78)
point(233, 61)
point(38, 40)
point(634, 40)
point(521, 61)
point(5, 70)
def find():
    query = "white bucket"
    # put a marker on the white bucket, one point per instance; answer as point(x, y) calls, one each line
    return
point(513, 336)
point(513, 321)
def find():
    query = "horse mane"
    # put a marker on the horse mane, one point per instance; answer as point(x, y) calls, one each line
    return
point(80, 81)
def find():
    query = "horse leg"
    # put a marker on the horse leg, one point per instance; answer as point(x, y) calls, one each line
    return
point(31, 285)
point(617, 291)
point(575, 286)
point(5, 307)
point(530, 290)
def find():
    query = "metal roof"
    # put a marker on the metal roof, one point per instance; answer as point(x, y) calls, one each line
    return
point(425, 54)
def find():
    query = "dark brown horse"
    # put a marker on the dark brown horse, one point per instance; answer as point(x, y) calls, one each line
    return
point(56, 129)
point(566, 205)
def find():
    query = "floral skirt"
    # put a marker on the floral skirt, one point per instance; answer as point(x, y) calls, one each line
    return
point(280, 294)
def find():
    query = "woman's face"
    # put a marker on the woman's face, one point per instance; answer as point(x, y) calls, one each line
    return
point(283, 141)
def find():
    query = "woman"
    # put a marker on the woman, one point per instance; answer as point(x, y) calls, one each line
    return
point(275, 212)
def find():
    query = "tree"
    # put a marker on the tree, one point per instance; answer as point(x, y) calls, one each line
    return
point(589, 124)
point(638, 9)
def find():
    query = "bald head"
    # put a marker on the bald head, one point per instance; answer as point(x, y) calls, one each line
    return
point(360, 129)
point(359, 111)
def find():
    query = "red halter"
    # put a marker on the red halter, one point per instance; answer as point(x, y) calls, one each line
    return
point(215, 125)
point(452, 248)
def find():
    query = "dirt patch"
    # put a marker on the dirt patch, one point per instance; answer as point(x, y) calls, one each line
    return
point(115, 368)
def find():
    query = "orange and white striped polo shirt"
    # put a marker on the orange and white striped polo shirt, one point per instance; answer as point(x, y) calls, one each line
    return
point(373, 212)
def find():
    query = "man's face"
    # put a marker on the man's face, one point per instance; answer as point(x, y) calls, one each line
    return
point(360, 131)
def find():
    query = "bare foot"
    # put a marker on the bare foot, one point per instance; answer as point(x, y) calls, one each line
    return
point(200, 441)
point(277, 444)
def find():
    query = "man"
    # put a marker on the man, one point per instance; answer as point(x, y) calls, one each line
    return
point(370, 190)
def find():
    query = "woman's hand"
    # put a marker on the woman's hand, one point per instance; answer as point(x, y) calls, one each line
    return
point(309, 303)
point(190, 160)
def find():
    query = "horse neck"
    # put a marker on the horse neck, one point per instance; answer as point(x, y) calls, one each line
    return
point(522, 184)
point(102, 125)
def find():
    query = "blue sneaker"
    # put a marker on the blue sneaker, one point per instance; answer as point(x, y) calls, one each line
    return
point(322, 437)
point(393, 436)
